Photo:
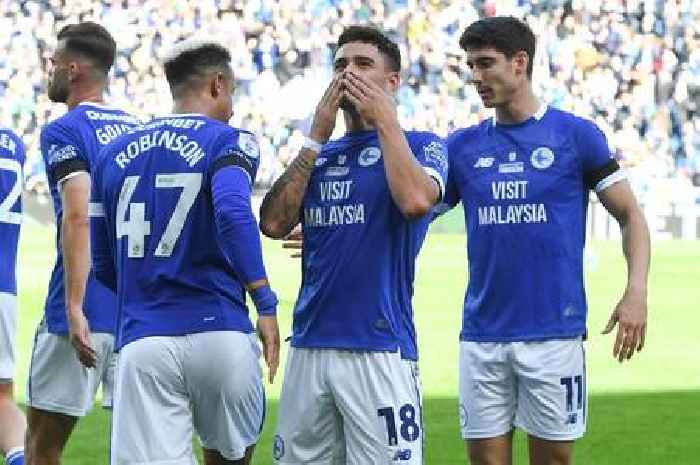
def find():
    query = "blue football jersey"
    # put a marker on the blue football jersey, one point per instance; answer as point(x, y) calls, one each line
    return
point(11, 164)
point(525, 191)
point(69, 145)
point(155, 184)
point(359, 250)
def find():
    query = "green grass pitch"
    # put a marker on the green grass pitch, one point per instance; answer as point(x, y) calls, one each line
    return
point(643, 412)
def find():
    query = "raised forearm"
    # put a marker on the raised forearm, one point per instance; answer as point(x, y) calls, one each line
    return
point(280, 209)
point(412, 189)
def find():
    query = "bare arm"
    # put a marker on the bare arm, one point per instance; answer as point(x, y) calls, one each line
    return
point(281, 208)
point(631, 311)
point(75, 244)
point(412, 189)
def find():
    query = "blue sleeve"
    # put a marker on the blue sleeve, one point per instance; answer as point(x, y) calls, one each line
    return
point(238, 149)
point(63, 154)
point(431, 153)
point(237, 229)
point(599, 167)
point(102, 253)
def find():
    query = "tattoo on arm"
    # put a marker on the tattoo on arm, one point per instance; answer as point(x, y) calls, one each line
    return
point(280, 209)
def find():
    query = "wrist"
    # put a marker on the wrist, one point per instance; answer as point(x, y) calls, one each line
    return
point(387, 125)
point(265, 301)
point(312, 144)
point(318, 134)
point(636, 288)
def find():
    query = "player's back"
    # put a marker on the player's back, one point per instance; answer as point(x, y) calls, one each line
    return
point(155, 185)
point(69, 145)
point(11, 163)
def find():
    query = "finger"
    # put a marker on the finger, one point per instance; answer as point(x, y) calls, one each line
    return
point(334, 90)
point(353, 99)
point(295, 255)
point(295, 235)
point(611, 323)
point(631, 338)
point(362, 82)
point(272, 357)
point(642, 338)
point(618, 342)
point(355, 89)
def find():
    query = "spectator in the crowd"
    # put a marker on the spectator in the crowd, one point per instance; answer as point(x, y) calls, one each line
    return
point(633, 67)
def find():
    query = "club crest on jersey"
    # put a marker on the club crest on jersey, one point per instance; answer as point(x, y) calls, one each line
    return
point(320, 161)
point(435, 152)
point(542, 158)
point(512, 166)
point(369, 156)
point(248, 144)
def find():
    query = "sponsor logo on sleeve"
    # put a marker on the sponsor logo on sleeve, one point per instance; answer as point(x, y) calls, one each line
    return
point(248, 144)
point(59, 154)
point(436, 154)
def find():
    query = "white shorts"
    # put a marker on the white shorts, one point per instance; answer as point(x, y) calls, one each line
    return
point(165, 384)
point(59, 383)
point(8, 329)
point(539, 387)
point(348, 407)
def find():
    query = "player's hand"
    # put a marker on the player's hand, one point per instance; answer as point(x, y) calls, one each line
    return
point(79, 335)
point(269, 334)
point(373, 103)
point(295, 241)
point(630, 315)
point(327, 112)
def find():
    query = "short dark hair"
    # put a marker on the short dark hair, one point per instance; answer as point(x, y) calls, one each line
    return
point(192, 59)
point(372, 35)
point(505, 34)
point(92, 41)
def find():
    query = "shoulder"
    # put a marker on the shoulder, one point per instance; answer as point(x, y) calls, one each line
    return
point(466, 137)
point(420, 137)
point(567, 122)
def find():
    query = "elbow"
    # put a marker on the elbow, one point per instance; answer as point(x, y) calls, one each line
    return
point(272, 229)
point(416, 207)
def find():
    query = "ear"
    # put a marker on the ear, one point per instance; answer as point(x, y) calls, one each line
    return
point(74, 70)
point(394, 81)
point(217, 84)
point(521, 60)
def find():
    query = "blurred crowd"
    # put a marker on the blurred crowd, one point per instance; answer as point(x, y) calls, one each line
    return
point(633, 66)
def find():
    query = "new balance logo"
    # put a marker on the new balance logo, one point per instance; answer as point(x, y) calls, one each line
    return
point(484, 162)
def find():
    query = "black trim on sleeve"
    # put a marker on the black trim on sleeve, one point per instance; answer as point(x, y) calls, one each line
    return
point(592, 178)
point(234, 158)
point(67, 167)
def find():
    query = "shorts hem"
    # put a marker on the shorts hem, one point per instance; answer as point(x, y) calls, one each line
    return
point(555, 437)
point(55, 408)
point(485, 435)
